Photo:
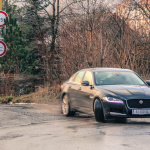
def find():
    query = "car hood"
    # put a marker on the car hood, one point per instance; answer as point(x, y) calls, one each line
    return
point(126, 92)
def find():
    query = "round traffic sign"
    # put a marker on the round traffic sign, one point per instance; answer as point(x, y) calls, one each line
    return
point(3, 16)
point(2, 48)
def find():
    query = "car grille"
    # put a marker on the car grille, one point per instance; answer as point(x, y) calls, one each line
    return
point(135, 103)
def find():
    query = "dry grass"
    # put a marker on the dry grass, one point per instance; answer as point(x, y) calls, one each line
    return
point(46, 95)
point(42, 95)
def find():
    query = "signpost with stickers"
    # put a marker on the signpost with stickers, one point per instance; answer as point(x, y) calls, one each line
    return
point(2, 48)
point(3, 17)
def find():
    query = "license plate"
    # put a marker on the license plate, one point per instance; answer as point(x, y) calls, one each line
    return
point(140, 111)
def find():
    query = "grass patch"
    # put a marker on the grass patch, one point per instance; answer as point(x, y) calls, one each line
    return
point(46, 95)
point(6, 99)
point(42, 95)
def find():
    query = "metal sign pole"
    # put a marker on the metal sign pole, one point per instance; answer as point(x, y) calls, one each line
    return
point(1, 6)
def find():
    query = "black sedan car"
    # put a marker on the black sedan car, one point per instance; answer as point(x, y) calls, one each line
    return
point(106, 93)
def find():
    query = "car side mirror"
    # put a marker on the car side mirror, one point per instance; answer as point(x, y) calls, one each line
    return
point(85, 83)
point(148, 82)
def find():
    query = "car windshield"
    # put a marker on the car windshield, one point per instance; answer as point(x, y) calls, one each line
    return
point(117, 78)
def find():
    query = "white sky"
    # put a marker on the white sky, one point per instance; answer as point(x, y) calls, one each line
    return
point(110, 3)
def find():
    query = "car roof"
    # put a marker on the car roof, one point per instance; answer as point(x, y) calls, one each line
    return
point(107, 69)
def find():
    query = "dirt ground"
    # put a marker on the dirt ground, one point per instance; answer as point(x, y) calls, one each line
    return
point(43, 127)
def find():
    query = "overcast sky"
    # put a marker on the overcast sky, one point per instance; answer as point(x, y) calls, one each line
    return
point(111, 3)
point(108, 3)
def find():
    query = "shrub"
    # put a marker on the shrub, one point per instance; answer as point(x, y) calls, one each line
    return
point(6, 100)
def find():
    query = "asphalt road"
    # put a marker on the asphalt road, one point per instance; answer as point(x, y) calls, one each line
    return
point(42, 127)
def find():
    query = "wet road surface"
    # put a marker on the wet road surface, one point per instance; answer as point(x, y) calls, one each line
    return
point(43, 127)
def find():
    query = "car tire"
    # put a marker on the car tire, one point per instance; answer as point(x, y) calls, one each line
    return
point(98, 111)
point(66, 106)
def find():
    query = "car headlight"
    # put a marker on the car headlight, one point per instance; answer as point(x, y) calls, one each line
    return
point(112, 99)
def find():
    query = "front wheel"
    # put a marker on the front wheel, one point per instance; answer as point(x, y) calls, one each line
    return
point(66, 107)
point(98, 111)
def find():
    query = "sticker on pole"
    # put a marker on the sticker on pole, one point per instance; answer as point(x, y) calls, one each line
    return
point(3, 16)
point(2, 48)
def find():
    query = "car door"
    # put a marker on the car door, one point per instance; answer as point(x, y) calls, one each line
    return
point(71, 87)
point(87, 93)
point(75, 89)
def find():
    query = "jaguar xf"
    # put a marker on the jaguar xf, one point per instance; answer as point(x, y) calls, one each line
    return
point(106, 93)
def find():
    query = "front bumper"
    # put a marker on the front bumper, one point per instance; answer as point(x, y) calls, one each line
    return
point(120, 110)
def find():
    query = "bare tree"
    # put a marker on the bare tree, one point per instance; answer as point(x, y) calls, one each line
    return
point(144, 7)
point(50, 12)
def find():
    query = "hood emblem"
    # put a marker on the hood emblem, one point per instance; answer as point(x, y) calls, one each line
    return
point(141, 102)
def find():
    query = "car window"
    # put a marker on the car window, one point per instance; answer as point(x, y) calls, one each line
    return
point(79, 77)
point(117, 78)
point(88, 77)
point(73, 77)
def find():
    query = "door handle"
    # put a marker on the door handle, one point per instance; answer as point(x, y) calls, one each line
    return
point(80, 88)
